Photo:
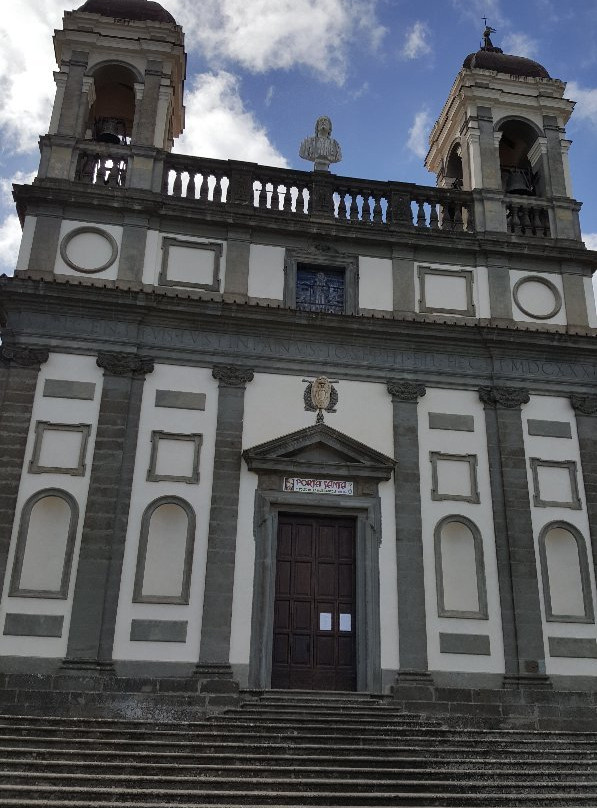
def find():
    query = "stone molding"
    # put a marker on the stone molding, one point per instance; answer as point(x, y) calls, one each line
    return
point(585, 405)
point(23, 357)
point(507, 397)
point(403, 390)
point(124, 364)
point(232, 376)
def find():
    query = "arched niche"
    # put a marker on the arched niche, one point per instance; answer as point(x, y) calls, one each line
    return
point(460, 569)
point(565, 574)
point(165, 555)
point(520, 164)
point(112, 114)
point(45, 545)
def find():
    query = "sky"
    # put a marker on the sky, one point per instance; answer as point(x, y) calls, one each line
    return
point(261, 71)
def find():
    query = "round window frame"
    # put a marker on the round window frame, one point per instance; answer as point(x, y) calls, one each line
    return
point(552, 288)
point(78, 231)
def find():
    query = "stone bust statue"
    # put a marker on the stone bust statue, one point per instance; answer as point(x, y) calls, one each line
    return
point(321, 149)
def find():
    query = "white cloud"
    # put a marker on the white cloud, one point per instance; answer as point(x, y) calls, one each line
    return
point(218, 125)
point(6, 183)
point(586, 102)
point(263, 35)
point(475, 10)
point(520, 44)
point(416, 44)
point(418, 134)
point(590, 240)
point(10, 240)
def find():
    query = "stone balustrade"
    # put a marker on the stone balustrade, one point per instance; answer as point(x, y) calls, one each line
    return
point(102, 164)
point(527, 216)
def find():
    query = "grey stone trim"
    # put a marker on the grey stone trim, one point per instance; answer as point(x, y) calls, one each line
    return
point(238, 251)
point(23, 356)
point(367, 512)
point(482, 613)
point(97, 586)
point(33, 625)
point(403, 277)
point(412, 621)
point(575, 503)
point(557, 306)
point(424, 272)
point(133, 246)
point(405, 390)
point(586, 425)
point(500, 294)
point(183, 597)
point(549, 429)
point(221, 545)
point(15, 581)
point(474, 644)
point(63, 388)
point(44, 248)
point(509, 398)
point(444, 420)
point(585, 405)
point(156, 436)
point(158, 631)
point(98, 231)
point(472, 461)
point(575, 647)
point(332, 260)
point(575, 298)
point(514, 541)
point(178, 399)
point(213, 247)
point(76, 471)
point(124, 364)
point(583, 562)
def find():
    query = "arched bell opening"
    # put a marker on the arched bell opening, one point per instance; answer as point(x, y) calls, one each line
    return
point(112, 113)
point(454, 175)
point(519, 175)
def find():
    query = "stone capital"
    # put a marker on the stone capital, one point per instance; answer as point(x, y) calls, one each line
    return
point(23, 357)
point(232, 376)
point(124, 364)
point(506, 397)
point(585, 405)
point(404, 390)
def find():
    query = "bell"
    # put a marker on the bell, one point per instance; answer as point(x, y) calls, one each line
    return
point(517, 182)
point(110, 130)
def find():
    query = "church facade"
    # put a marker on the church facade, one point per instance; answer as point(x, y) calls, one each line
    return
point(289, 428)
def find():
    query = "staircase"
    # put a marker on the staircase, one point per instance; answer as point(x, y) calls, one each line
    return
point(292, 749)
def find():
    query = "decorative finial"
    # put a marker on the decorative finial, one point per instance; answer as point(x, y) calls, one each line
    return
point(321, 149)
point(320, 395)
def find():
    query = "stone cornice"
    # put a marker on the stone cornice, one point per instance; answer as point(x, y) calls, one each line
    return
point(123, 364)
point(23, 356)
point(232, 376)
point(505, 397)
point(584, 405)
point(405, 390)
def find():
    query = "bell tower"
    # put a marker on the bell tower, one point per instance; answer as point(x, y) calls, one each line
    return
point(120, 79)
point(502, 134)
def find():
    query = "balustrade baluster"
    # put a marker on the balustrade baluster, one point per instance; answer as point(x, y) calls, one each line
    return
point(353, 211)
point(261, 196)
point(342, 206)
point(525, 222)
point(204, 187)
point(421, 217)
point(287, 203)
point(447, 217)
point(366, 216)
point(377, 211)
point(275, 202)
point(457, 224)
point(190, 194)
point(544, 222)
point(177, 185)
point(433, 217)
point(469, 224)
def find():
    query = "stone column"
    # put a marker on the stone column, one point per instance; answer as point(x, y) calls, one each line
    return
point(99, 568)
point(73, 92)
point(515, 545)
point(19, 369)
point(214, 652)
point(412, 622)
point(585, 408)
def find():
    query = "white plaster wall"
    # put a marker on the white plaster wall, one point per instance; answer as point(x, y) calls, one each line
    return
point(192, 380)
point(153, 254)
point(274, 407)
point(375, 283)
point(60, 268)
point(552, 408)
point(458, 402)
point(480, 286)
point(63, 411)
point(517, 314)
point(266, 271)
point(590, 298)
point(26, 242)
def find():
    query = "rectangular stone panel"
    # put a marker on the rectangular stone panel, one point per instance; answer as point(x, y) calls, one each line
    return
point(158, 631)
point(178, 399)
point(549, 429)
point(445, 420)
point(63, 388)
point(477, 644)
point(576, 647)
point(33, 625)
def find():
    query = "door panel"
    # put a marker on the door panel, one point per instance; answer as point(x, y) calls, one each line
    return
point(314, 615)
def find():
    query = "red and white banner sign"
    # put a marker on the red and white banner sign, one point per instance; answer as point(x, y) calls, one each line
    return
point(307, 486)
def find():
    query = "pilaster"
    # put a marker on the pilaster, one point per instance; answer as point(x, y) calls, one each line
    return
point(585, 409)
point(515, 547)
point(412, 622)
point(214, 653)
point(99, 569)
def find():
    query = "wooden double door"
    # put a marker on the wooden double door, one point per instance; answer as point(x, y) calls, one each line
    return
point(314, 644)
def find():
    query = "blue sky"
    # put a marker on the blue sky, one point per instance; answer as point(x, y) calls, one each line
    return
point(261, 71)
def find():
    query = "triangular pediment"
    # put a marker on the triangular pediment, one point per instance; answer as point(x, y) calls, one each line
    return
point(319, 450)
